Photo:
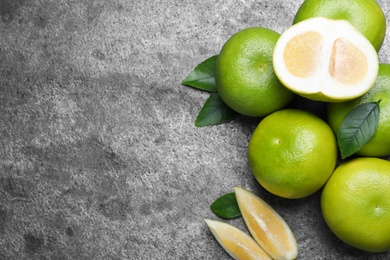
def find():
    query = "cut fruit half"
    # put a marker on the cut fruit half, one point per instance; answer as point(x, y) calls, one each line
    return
point(266, 226)
point(238, 244)
point(325, 60)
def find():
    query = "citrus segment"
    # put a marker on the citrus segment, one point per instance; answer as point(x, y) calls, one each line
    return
point(348, 64)
point(355, 203)
point(266, 226)
point(325, 60)
point(301, 54)
point(235, 242)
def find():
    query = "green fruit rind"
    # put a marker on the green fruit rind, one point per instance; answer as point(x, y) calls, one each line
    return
point(244, 73)
point(292, 153)
point(355, 203)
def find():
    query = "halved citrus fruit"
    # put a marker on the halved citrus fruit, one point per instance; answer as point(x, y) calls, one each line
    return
point(325, 60)
point(266, 226)
point(238, 244)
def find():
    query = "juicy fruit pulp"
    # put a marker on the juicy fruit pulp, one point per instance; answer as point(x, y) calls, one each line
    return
point(266, 226)
point(325, 60)
point(356, 203)
point(292, 153)
point(379, 145)
point(244, 74)
point(365, 15)
point(235, 242)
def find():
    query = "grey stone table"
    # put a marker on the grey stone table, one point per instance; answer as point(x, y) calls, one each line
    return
point(99, 156)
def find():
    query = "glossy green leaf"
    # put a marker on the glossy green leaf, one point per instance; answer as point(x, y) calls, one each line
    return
point(202, 77)
point(214, 111)
point(357, 128)
point(226, 206)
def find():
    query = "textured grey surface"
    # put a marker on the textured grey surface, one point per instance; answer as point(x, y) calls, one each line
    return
point(99, 157)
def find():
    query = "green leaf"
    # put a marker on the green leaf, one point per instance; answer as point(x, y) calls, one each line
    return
point(202, 77)
point(214, 111)
point(357, 128)
point(226, 206)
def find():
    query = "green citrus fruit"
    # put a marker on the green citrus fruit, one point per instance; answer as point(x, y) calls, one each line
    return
point(244, 74)
point(365, 15)
point(355, 203)
point(379, 145)
point(292, 153)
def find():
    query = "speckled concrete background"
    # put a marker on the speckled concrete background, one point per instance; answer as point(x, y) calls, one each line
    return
point(99, 157)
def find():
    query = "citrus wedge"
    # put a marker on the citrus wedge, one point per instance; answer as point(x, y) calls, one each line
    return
point(235, 242)
point(266, 226)
point(325, 60)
